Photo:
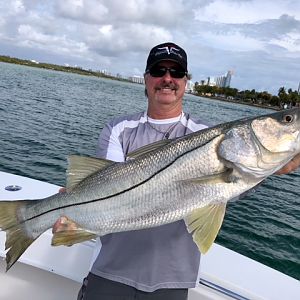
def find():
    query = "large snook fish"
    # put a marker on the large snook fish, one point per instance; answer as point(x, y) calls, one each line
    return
point(190, 178)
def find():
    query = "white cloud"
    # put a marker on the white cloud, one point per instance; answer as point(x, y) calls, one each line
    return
point(290, 42)
point(232, 42)
point(241, 12)
point(106, 30)
point(110, 40)
point(30, 37)
point(16, 7)
point(257, 38)
point(164, 13)
point(90, 11)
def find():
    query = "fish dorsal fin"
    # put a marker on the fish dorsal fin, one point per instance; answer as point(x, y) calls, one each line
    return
point(146, 149)
point(80, 167)
point(204, 224)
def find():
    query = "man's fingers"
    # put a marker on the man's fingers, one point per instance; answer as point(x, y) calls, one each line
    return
point(291, 166)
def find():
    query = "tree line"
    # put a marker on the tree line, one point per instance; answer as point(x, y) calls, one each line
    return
point(48, 66)
point(285, 97)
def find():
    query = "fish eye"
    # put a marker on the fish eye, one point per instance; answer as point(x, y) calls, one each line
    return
point(288, 119)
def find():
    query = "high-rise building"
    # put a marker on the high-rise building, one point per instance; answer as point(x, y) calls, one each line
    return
point(228, 78)
point(220, 81)
point(189, 87)
point(224, 80)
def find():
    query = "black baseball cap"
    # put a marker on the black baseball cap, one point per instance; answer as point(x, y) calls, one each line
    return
point(167, 51)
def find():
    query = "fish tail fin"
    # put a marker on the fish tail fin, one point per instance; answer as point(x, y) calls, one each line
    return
point(17, 240)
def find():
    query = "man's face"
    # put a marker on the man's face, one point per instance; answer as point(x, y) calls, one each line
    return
point(165, 90)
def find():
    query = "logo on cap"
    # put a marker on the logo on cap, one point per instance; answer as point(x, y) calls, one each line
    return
point(168, 50)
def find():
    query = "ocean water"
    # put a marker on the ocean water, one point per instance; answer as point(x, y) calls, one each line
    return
point(47, 115)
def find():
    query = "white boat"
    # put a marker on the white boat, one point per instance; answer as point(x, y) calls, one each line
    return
point(48, 273)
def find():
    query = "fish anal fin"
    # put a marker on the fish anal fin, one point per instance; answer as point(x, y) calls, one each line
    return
point(146, 149)
point(67, 232)
point(80, 167)
point(204, 224)
point(71, 237)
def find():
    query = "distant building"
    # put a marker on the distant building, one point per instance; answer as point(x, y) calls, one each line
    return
point(189, 87)
point(228, 78)
point(219, 81)
point(224, 80)
point(137, 79)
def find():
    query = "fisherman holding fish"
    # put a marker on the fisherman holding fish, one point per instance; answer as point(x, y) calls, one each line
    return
point(161, 262)
point(164, 202)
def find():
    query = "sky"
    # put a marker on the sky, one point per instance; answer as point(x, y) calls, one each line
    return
point(259, 40)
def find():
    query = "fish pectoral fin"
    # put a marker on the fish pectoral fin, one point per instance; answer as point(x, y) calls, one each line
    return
point(71, 237)
point(204, 224)
point(222, 177)
point(80, 167)
point(146, 149)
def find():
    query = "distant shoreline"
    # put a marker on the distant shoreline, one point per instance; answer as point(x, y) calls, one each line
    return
point(240, 102)
point(67, 69)
point(80, 71)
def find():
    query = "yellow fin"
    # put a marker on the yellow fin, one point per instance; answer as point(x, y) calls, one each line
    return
point(71, 237)
point(80, 167)
point(67, 232)
point(17, 241)
point(146, 149)
point(204, 224)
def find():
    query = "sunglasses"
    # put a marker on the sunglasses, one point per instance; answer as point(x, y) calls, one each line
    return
point(158, 71)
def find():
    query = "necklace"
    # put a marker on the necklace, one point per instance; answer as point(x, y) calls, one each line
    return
point(166, 134)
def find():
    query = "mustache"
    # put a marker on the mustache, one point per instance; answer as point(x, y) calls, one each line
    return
point(171, 86)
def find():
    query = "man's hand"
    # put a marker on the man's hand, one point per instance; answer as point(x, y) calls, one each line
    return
point(60, 225)
point(291, 166)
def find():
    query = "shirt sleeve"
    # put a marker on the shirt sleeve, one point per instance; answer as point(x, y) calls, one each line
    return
point(109, 145)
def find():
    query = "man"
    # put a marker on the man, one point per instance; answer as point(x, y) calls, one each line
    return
point(156, 263)
point(162, 262)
